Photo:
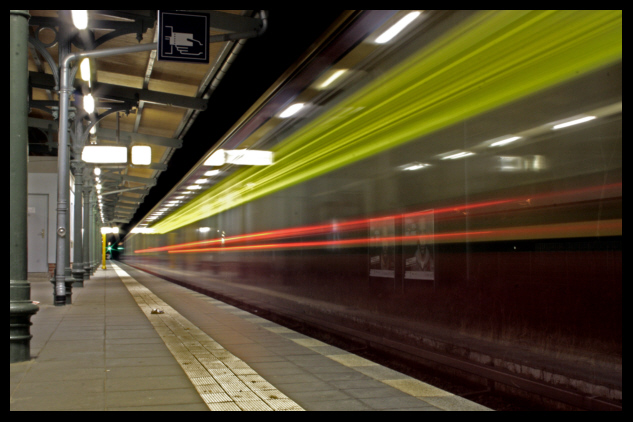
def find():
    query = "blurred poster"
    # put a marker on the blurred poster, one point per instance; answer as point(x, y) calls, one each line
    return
point(382, 250)
point(418, 247)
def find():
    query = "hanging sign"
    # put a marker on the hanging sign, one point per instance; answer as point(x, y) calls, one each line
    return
point(183, 36)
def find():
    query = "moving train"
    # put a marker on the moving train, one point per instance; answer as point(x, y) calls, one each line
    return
point(451, 186)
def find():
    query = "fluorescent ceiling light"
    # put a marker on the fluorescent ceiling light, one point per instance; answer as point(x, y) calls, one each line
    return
point(458, 155)
point(204, 229)
point(397, 28)
point(89, 104)
point(194, 187)
point(574, 122)
point(141, 155)
point(332, 78)
point(216, 159)
point(413, 166)
point(249, 157)
point(84, 68)
point(145, 230)
point(106, 230)
point(292, 110)
point(244, 157)
point(212, 173)
point(80, 18)
point(201, 181)
point(104, 154)
point(505, 141)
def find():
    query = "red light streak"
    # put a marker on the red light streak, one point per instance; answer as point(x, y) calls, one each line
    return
point(514, 233)
point(361, 224)
point(322, 243)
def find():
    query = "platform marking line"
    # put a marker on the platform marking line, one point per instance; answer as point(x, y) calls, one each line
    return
point(422, 391)
point(223, 381)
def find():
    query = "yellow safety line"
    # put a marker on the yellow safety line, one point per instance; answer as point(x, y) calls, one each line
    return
point(223, 381)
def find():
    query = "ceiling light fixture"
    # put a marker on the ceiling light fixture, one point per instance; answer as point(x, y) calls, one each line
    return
point(89, 104)
point(80, 18)
point(104, 154)
point(84, 68)
point(396, 28)
point(458, 155)
point(413, 166)
point(573, 122)
point(141, 155)
point(332, 78)
point(505, 141)
point(291, 110)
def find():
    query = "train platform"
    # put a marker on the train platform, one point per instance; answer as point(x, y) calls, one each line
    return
point(132, 341)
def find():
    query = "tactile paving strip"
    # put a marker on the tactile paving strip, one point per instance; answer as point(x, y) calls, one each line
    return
point(224, 381)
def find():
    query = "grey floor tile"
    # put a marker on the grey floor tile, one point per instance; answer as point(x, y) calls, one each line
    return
point(148, 383)
point(152, 397)
point(374, 392)
point(398, 402)
point(138, 361)
point(55, 386)
point(143, 371)
point(349, 405)
point(60, 401)
point(189, 407)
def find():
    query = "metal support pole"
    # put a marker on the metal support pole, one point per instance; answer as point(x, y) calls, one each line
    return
point(96, 238)
point(78, 263)
point(87, 190)
point(68, 274)
point(21, 306)
point(63, 152)
point(63, 157)
point(96, 235)
point(103, 251)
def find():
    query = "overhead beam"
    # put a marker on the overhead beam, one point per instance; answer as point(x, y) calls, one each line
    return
point(129, 138)
point(121, 190)
point(122, 93)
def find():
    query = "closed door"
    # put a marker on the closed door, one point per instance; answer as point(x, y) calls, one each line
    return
point(37, 233)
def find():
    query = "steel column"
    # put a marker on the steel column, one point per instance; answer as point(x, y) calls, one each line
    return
point(21, 306)
point(87, 190)
point(63, 163)
point(103, 251)
point(78, 265)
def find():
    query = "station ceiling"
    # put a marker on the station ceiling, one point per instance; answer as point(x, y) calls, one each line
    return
point(157, 101)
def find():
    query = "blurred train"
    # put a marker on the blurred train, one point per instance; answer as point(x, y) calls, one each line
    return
point(454, 190)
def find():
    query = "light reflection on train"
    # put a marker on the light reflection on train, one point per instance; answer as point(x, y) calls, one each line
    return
point(504, 225)
point(581, 229)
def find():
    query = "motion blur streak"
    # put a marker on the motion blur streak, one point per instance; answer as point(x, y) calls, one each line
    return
point(490, 60)
point(603, 228)
point(545, 199)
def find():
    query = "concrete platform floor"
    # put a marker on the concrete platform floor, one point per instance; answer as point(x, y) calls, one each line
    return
point(108, 351)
